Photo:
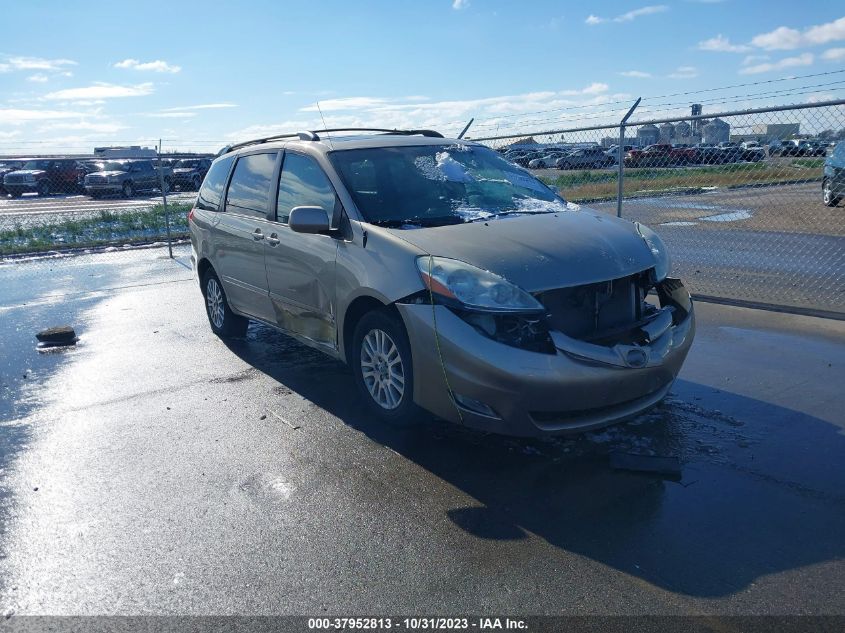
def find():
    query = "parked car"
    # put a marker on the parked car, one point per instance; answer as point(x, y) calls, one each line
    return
point(585, 158)
point(811, 148)
point(188, 173)
point(448, 279)
point(526, 158)
point(7, 167)
point(548, 160)
point(784, 148)
point(43, 176)
point(126, 177)
point(833, 176)
point(660, 155)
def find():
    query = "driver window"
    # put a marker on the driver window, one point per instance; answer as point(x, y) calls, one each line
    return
point(303, 183)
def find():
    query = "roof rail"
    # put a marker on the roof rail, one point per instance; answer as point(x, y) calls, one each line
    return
point(314, 135)
point(429, 133)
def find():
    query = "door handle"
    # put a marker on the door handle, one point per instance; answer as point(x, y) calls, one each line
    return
point(257, 235)
point(273, 240)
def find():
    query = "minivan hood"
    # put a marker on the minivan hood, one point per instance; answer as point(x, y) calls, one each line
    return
point(543, 251)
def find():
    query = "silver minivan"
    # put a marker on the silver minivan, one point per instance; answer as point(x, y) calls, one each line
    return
point(449, 279)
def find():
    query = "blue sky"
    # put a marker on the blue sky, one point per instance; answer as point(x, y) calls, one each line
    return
point(200, 74)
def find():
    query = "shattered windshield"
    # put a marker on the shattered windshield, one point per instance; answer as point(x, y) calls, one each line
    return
point(434, 185)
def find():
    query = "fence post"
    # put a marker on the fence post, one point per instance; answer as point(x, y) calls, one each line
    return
point(621, 153)
point(164, 201)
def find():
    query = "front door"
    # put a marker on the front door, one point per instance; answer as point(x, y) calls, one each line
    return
point(300, 267)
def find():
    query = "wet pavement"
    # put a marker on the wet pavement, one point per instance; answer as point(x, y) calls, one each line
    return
point(152, 468)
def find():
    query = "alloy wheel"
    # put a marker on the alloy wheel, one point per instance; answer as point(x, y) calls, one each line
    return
point(214, 301)
point(382, 369)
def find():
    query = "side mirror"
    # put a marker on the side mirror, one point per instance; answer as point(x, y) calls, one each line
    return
point(308, 220)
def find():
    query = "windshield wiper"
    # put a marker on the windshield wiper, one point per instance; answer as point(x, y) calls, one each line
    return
point(442, 220)
point(514, 212)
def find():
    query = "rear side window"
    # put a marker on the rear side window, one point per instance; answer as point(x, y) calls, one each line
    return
point(303, 184)
point(212, 188)
point(249, 190)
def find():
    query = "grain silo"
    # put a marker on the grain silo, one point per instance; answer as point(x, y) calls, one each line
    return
point(717, 131)
point(648, 135)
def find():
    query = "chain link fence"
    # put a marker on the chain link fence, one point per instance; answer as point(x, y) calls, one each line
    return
point(742, 199)
point(54, 207)
point(737, 196)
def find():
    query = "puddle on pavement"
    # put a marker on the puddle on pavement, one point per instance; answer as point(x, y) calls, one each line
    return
point(733, 216)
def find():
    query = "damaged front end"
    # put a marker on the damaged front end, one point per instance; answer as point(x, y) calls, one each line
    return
point(615, 324)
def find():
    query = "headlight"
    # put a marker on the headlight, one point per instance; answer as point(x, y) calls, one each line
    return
point(469, 287)
point(662, 263)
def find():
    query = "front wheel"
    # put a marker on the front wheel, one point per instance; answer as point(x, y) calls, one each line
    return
point(128, 189)
point(830, 200)
point(224, 323)
point(43, 188)
point(382, 364)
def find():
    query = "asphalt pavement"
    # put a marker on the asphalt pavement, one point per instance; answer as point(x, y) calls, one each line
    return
point(155, 469)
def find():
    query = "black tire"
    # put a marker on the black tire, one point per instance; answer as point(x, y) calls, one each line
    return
point(828, 197)
point(404, 413)
point(95, 195)
point(128, 189)
point(15, 194)
point(224, 323)
point(195, 183)
point(43, 189)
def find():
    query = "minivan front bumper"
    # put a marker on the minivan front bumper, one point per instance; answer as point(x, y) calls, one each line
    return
point(536, 394)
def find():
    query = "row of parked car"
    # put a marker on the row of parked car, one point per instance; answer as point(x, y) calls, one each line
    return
point(99, 178)
point(661, 154)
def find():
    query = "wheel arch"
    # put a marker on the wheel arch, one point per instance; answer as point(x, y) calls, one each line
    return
point(356, 309)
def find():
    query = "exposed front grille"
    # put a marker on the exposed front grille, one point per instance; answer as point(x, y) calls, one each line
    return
point(592, 311)
point(96, 180)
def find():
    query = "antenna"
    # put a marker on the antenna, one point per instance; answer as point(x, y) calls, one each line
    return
point(328, 136)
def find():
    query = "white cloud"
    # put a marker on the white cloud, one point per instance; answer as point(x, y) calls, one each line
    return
point(345, 103)
point(101, 91)
point(158, 66)
point(202, 106)
point(38, 78)
point(16, 116)
point(722, 44)
point(629, 16)
point(834, 54)
point(785, 38)
point(650, 10)
point(637, 74)
point(37, 63)
point(805, 59)
point(684, 72)
point(91, 126)
point(172, 115)
point(457, 5)
point(753, 59)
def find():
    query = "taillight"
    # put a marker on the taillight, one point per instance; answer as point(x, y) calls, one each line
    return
point(190, 215)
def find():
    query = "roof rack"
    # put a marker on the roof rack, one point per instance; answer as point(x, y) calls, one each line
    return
point(314, 135)
point(430, 133)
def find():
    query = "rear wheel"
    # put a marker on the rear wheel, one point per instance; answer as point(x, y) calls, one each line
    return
point(43, 188)
point(381, 361)
point(830, 200)
point(224, 323)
